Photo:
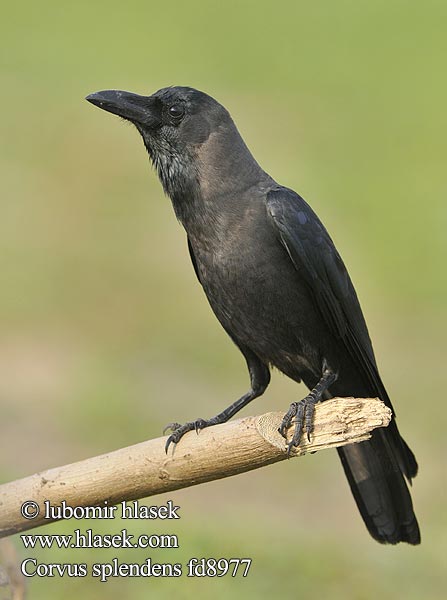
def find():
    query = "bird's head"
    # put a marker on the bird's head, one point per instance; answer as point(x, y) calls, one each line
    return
point(174, 123)
point(190, 137)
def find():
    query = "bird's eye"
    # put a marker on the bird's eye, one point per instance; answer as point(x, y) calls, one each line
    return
point(176, 111)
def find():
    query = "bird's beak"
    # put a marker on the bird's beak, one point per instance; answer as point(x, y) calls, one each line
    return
point(132, 107)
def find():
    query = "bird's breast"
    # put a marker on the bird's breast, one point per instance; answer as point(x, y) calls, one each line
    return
point(255, 291)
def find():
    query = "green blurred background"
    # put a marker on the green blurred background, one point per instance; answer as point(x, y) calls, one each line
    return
point(105, 333)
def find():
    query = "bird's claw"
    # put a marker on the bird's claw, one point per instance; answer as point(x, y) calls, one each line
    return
point(172, 426)
point(178, 430)
point(301, 414)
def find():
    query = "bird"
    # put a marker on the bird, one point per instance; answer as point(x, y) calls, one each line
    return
point(278, 286)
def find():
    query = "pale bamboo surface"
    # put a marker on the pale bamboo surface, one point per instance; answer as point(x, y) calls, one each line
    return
point(221, 451)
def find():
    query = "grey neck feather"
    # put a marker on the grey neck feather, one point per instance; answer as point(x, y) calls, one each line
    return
point(198, 179)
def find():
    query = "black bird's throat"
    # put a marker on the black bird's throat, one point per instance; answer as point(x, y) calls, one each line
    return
point(177, 173)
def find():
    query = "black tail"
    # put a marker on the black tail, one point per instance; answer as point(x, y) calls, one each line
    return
point(375, 470)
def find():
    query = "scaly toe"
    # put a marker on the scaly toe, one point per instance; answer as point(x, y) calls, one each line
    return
point(287, 419)
point(172, 426)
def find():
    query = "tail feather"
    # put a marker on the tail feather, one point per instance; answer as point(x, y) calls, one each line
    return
point(376, 471)
point(375, 476)
point(412, 466)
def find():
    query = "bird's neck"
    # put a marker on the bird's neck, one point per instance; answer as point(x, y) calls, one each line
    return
point(210, 181)
point(214, 180)
point(226, 166)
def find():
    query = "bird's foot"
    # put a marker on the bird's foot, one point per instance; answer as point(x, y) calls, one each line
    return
point(301, 413)
point(178, 430)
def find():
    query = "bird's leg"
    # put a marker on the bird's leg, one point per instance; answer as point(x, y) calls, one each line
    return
point(302, 412)
point(178, 430)
point(260, 378)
